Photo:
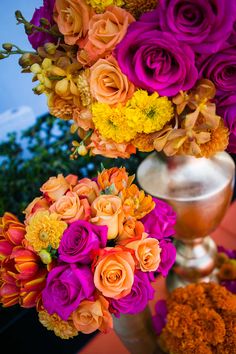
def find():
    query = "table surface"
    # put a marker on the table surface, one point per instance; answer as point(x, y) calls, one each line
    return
point(225, 235)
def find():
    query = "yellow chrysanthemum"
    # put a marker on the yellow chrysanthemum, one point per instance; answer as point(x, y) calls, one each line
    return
point(44, 230)
point(62, 329)
point(148, 114)
point(111, 122)
point(138, 7)
point(100, 5)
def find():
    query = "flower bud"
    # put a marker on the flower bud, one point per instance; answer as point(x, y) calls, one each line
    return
point(2, 56)
point(45, 256)
point(50, 48)
point(24, 60)
point(28, 29)
point(7, 46)
point(44, 22)
point(18, 15)
point(82, 150)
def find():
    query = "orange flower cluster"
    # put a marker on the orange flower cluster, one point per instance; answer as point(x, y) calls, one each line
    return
point(201, 319)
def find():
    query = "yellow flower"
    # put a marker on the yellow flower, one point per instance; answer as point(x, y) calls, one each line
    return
point(44, 229)
point(100, 5)
point(138, 7)
point(148, 114)
point(62, 329)
point(111, 122)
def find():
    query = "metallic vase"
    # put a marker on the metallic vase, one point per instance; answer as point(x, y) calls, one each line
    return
point(200, 191)
point(136, 332)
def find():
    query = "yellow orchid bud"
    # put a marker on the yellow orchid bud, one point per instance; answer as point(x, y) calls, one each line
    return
point(46, 63)
point(35, 68)
point(50, 48)
point(62, 87)
point(82, 150)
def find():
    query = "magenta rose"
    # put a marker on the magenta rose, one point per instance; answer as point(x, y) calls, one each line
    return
point(155, 60)
point(168, 256)
point(137, 299)
point(38, 39)
point(226, 108)
point(204, 25)
point(66, 286)
point(79, 240)
point(160, 221)
point(160, 316)
point(220, 68)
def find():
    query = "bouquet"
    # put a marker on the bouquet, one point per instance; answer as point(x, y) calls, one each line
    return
point(198, 318)
point(136, 74)
point(87, 250)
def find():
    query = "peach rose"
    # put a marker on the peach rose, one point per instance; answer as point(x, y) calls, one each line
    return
point(108, 84)
point(72, 18)
point(55, 187)
point(71, 208)
point(107, 210)
point(87, 188)
point(106, 30)
point(36, 204)
point(83, 119)
point(132, 230)
point(147, 252)
point(115, 177)
point(114, 272)
point(108, 148)
point(93, 315)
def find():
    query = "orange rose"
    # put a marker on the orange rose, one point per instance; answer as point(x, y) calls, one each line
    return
point(147, 252)
point(114, 273)
point(132, 230)
point(83, 119)
point(55, 187)
point(108, 84)
point(115, 177)
point(37, 203)
point(87, 188)
point(72, 180)
point(108, 148)
point(71, 208)
point(72, 18)
point(93, 315)
point(106, 30)
point(107, 210)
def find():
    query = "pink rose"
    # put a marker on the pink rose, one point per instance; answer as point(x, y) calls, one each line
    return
point(71, 208)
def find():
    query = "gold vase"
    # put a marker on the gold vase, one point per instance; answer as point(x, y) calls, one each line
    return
point(200, 191)
point(136, 332)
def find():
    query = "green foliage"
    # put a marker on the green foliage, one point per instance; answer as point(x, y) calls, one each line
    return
point(48, 142)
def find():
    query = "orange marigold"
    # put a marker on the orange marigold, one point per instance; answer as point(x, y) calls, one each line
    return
point(144, 142)
point(138, 7)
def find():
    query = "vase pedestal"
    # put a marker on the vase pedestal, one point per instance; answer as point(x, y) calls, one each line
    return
point(200, 191)
point(136, 332)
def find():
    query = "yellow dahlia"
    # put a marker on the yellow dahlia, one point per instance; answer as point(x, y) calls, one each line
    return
point(111, 122)
point(100, 5)
point(61, 328)
point(148, 114)
point(44, 229)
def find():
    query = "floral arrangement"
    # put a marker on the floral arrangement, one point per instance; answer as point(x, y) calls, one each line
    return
point(198, 318)
point(86, 250)
point(136, 74)
point(226, 268)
